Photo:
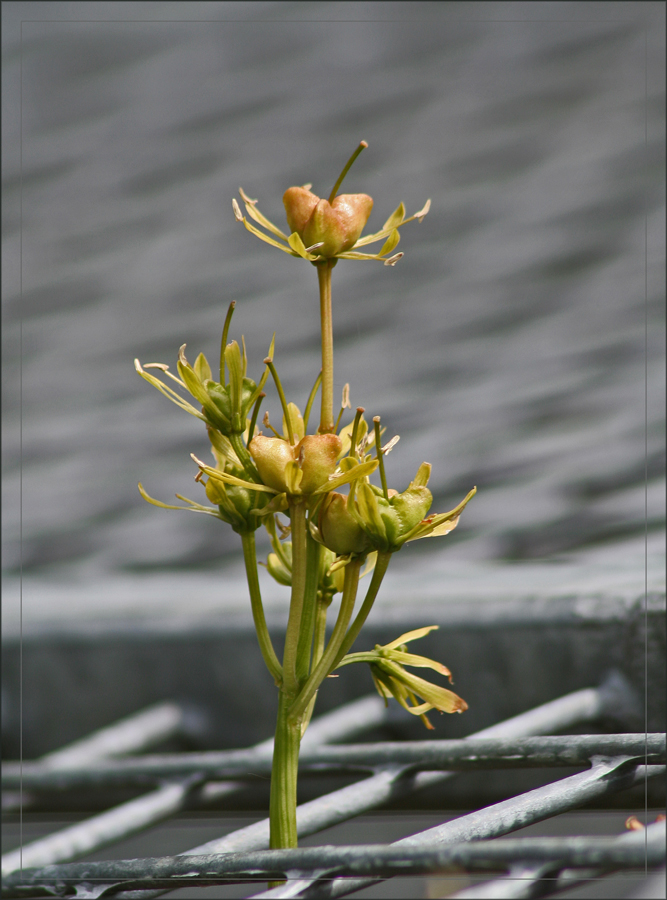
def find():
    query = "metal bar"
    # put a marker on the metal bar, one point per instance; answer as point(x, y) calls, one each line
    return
point(633, 850)
point(527, 882)
point(135, 815)
point(524, 881)
point(469, 753)
point(614, 694)
point(606, 776)
point(344, 722)
point(98, 831)
point(129, 735)
point(387, 785)
point(338, 725)
point(341, 805)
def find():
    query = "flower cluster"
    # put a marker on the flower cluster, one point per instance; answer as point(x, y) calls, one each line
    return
point(333, 536)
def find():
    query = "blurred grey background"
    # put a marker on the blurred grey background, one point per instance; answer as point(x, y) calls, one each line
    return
point(518, 345)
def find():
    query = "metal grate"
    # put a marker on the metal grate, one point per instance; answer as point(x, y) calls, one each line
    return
point(529, 867)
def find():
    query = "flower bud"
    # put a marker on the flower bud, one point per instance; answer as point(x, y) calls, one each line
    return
point(338, 529)
point(271, 456)
point(277, 568)
point(317, 455)
point(215, 491)
point(235, 504)
point(299, 206)
point(403, 511)
point(314, 457)
point(388, 522)
point(337, 226)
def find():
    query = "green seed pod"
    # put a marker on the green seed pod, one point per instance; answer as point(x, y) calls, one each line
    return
point(295, 470)
point(317, 455)
point(337, 226)
point(338, 529)
point(277, 568)
point(403, 511)
point(271, 456)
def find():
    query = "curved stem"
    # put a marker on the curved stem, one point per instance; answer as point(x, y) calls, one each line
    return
point(311, 398)
point(323, 604)
point(299, 564)
point(334, 190)
point(245, 458)
point(327, 424)
point(326, 663)
point(378, 574)
point(265, 645)
point(255, 413)
point(380, 455)
point(355, 432)
point(223, 341)
point(283, 400)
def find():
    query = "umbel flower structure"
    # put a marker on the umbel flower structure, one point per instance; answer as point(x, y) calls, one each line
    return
point(327, 521)
point(329, 229)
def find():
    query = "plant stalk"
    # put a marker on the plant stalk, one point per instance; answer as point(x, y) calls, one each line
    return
point(379, 571)
point(327, 424)
point(265, 645)
point(323, 604)
point(308, 614)
point(282, 805)
point(223, 341)
point(244, 457)
point(334, 190)
point(299, 565)
point(326, 663)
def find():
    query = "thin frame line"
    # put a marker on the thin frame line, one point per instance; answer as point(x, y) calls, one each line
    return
point(21, 448)
point(300, 21)
point(646, 463)
point(316, 21)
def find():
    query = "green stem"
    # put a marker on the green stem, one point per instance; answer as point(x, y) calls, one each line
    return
point(380, 454)
point(325, 665)
point(255, 413)
point(324, 278)
point(245, 458)
point(323, 604)
point(265, 645)
point(223, 341)
point(299, 565)
point(379, 572)
point(283, 400)
point(282, 805)
point(362, 146)
point(313, 550)
point(311, 398)
point(355, 431)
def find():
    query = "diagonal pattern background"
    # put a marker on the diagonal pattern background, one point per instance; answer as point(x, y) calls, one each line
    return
point(519, 344)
